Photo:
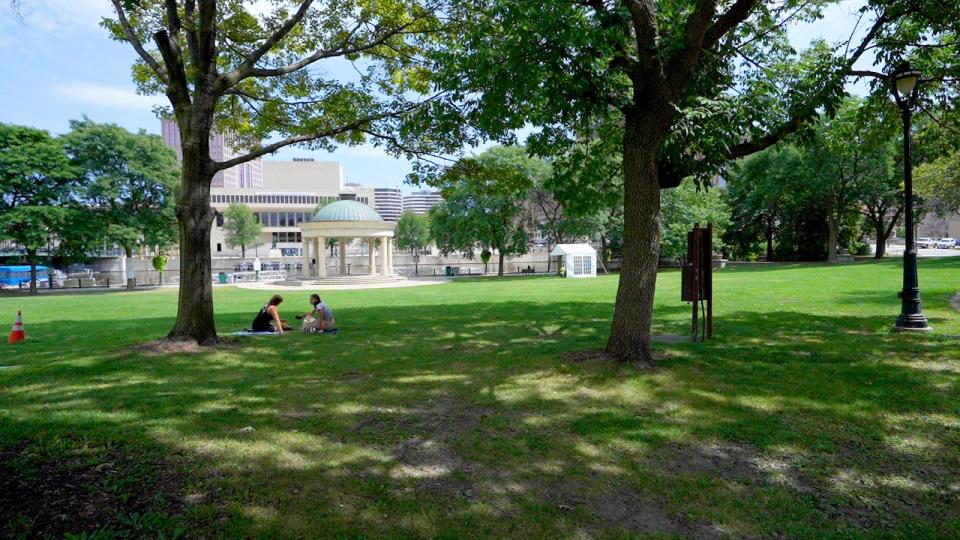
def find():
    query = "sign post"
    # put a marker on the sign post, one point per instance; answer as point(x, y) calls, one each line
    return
point(697, 281)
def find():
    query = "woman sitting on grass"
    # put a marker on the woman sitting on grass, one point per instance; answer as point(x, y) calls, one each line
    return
point(320, 319)
point(268, 320)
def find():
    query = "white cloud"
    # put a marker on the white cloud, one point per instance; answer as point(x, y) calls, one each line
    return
point(63, 16)
point(103, 95)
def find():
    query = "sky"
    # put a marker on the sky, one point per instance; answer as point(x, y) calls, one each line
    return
point(57, 64)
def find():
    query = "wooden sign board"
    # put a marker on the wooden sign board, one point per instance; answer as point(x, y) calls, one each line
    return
point(696, 277)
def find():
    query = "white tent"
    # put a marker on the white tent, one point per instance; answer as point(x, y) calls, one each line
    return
point(580, 260)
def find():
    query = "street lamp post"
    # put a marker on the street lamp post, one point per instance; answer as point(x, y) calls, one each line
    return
point(905, 89)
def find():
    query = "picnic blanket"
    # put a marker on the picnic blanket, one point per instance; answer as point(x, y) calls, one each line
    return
point(250, 333)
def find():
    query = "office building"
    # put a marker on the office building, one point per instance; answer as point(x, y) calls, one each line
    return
point(388, 202)
point(245, 175)
point(421, 202)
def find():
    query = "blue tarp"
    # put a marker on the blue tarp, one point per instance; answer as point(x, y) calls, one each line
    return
point(16, 274)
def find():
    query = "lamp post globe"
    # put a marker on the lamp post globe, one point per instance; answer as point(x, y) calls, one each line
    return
point(905, 88)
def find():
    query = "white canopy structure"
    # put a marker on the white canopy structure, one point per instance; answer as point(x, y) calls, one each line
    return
point(347, 219)
point(580, 260)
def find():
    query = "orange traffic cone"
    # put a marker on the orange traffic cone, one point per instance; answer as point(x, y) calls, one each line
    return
point(17, 334)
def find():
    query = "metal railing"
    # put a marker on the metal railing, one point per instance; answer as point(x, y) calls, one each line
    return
point(263, 275)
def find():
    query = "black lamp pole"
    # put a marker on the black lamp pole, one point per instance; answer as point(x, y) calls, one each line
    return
point(905, 90)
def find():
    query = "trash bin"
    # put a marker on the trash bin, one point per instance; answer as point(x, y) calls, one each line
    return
point(448, 271)
point(223, 277)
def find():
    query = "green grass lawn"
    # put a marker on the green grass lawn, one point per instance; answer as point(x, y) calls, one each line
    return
point(454, 411)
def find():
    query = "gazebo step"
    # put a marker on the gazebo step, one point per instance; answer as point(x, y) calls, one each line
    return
point(349, 280)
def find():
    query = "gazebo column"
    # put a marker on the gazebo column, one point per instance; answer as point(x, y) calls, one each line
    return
point(320, 250)
point(383, 256)
point(372, 248)
point(389, 255)
point(342, 242)
point(306, 257)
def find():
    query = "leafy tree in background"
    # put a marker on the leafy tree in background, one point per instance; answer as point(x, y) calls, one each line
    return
point(256, 74)
point(240, 227)
point(128, 183)
point(939, 183)
point(838, 161)
point(413, 231)
point(685, 206)
point(758, 188)
point(35, 184)
point(484, 204)
point(688, 85)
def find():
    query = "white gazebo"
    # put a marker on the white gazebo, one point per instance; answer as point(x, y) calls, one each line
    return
point(580, 260)
point(346, 220)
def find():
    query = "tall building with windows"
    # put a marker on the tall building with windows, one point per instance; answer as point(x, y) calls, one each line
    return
point(421, 202)
point(388, 202)
point(245, 175)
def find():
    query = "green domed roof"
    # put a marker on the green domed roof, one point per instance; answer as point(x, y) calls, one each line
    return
point(347, 210)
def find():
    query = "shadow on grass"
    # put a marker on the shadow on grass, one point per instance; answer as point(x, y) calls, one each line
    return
point(463, 421)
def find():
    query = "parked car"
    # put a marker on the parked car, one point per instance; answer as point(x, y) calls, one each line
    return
point(923, 243)
point(945, 243)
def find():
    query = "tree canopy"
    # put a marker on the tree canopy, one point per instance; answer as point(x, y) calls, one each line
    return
point(35, 182)
point(128, 182)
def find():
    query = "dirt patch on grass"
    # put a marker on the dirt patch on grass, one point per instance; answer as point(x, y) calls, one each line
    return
point(51, 488)
point(432, 460)
point(587, 355)
point(163, 347)
point(601, 356)
point(352, 376)
point(726, 460)
point(955, 302)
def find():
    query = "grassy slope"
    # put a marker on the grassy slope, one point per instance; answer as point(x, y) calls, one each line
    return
point(449, 411)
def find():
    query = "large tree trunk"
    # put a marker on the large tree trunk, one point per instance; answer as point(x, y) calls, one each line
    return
point(833, 226)
point(195, 218)
point(880, 232)
point(633, 312)
point(500, 263)
point(32, 258)
point(131, 282)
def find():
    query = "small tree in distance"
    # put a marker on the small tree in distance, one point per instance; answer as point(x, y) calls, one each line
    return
point(413, 231)
point(240, 227)
point(159, 264)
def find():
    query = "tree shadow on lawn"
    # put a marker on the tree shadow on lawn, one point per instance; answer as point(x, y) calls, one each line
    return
point(463, 421)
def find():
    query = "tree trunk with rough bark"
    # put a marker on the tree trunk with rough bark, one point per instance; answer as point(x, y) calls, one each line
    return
point(195, 218)
point(500, 263)
point(879, 231)
point(633, 312)
point(833, 227)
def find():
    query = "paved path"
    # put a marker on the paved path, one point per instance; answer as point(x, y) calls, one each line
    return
point(306, 285)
